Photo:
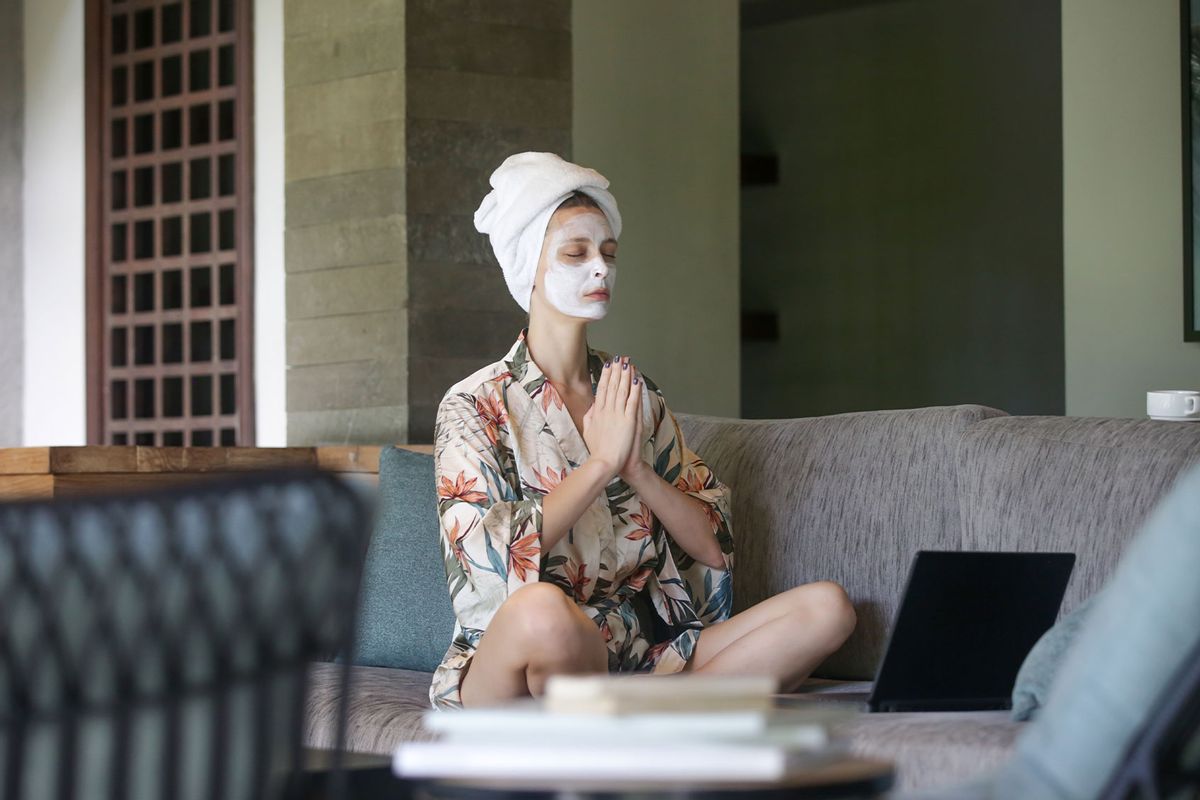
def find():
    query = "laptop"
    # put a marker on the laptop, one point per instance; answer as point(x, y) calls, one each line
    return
point(965, 624)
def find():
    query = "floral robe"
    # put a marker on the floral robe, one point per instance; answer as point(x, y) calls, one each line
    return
point(503, 438)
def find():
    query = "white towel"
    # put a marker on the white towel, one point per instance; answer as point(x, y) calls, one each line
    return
point(526, 190)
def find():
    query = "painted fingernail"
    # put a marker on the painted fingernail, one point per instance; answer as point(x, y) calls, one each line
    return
point(635, 380)
point(607, 364)
point(625, 365)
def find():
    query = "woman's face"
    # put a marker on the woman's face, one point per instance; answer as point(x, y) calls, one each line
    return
point(578, 265)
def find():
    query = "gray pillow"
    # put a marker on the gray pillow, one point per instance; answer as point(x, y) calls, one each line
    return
point(406, 620)
point(1041, 664)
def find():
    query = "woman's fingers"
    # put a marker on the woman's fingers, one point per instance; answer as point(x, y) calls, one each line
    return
point(622, 385)
point(602, 386)
point(634, 401)
point(614, 381)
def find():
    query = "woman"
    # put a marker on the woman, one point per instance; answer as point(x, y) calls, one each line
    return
point(580, 534)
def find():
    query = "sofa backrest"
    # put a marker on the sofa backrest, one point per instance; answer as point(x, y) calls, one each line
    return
point(848, 498)
point(852, 497)
point(1070, 484)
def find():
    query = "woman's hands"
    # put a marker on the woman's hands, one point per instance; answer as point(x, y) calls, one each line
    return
point(612, 427)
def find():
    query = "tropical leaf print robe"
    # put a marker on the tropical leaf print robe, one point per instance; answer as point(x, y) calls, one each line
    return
point(503, 439)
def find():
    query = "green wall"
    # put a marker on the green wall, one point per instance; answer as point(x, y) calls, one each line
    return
point(1122, 206)
point(655, 90)
point(912, 249)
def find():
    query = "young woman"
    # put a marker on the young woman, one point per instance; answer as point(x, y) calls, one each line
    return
point(580, 533)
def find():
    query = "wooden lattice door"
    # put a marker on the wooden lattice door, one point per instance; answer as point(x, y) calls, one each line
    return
point(169, 222)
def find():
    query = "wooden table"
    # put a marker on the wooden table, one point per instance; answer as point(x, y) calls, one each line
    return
point(848, 778)
point(43, 472)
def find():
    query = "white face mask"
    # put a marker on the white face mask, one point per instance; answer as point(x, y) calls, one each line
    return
point(569, 279)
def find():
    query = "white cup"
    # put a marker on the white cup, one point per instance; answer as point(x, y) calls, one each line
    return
point(1173, 404)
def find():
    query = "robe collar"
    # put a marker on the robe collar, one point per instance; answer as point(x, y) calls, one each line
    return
point(529, 376)
point(526, 372)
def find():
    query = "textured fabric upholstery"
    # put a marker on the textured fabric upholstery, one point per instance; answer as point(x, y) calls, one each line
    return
point(848, 498)
point(851, 498)
point(930, 750)
point(386, 705)
point(1071, 484)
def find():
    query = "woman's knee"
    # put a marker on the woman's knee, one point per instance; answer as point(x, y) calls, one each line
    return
point(828, 604)
point(837, 608)
point(549, 622)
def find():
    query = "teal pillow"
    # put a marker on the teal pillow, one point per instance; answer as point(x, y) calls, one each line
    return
point(405, 617)
point(1141, 629)
point(1041, 665)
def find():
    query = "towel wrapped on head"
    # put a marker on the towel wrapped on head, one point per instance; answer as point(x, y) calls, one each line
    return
point(526, 190)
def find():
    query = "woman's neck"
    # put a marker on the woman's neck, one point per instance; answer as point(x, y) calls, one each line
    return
point(560, 351)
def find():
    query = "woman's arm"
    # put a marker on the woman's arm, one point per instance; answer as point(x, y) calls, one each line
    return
point(493, 536)
point(565, 503)
point(685, 518)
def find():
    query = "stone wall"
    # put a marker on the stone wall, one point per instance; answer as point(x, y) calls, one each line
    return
point(485, 80)
point(396, 113)
point(12, 262)
point(345, 251)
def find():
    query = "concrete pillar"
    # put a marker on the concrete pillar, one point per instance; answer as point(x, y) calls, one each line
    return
point(396, 113)
point(12, 258)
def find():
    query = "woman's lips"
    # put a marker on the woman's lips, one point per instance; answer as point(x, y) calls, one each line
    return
point(599, 294)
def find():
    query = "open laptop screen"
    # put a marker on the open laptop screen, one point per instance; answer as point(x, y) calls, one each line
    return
point(965, 624)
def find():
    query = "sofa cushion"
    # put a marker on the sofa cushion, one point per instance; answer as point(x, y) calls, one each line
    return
point(405, 617)
point(1068, 484)
point(385, 708)
point(929, 749)
point(849, 498)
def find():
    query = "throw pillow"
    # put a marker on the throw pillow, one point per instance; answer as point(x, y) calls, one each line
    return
point(1041, 665)
point(405, 617)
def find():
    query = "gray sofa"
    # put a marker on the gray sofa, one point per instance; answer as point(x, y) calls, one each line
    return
point(851, 498)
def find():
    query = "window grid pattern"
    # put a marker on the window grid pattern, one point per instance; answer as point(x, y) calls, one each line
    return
point(174, 224)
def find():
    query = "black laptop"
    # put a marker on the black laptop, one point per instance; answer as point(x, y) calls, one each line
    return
point(965, 624)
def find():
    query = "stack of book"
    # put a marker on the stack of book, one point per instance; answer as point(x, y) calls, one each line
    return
point(630, 727)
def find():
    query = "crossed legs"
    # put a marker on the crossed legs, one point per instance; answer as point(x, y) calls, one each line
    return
point(540, 631)
point(537, 631)
point(785, 636)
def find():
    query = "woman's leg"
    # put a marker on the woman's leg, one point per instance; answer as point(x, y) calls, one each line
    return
point(785, 636)
point(537, 632)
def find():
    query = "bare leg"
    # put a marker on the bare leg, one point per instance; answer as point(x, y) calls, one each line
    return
point(785, 636)
point(537, 632)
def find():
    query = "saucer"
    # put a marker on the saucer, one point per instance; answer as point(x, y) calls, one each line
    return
point(1176, 419)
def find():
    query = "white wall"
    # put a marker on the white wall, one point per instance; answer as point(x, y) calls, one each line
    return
point(55, 365)
point(54, 391)
point(270, 362)
point(1123, 206)
point(655, 110)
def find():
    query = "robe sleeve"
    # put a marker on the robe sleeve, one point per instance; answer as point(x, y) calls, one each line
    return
point(491, 529)
point(711, 589)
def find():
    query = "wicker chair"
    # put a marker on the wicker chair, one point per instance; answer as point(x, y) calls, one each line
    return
point(156, 645)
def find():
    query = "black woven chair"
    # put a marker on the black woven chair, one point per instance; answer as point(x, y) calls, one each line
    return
point(156, 645)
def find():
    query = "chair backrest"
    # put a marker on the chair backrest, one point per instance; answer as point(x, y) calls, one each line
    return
point(156, 645)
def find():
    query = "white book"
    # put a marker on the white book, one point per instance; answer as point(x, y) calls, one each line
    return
point(617, 693)
point(527, 722)
point(592, 760)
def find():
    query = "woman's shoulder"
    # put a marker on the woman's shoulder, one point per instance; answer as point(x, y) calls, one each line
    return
point(483, 382)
